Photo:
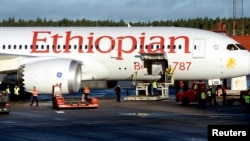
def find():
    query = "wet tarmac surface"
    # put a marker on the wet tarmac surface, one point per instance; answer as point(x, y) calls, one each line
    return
point(123, 121)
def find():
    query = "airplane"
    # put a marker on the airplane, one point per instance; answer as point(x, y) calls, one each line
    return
point(98, 56)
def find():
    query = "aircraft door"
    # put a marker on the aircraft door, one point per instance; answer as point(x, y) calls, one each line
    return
point(199, 48)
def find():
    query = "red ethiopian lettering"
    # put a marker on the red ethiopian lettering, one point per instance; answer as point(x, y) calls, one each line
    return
point(120, 45)
point(124, 44)
point(90, 43)
point(172, 43)
point(98, 40)
point(160, 42)
point(137, 66)
point(142, 42)
point(36, 39)
point(69, 38)
point(55, 39)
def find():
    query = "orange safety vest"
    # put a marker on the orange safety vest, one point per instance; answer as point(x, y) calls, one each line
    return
point(86, 90)
point(35, 92)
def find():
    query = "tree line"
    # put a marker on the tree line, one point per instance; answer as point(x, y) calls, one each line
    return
point(201, 23)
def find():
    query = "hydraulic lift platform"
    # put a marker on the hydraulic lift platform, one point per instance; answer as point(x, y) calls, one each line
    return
point(154, 68)
point(143, 92)
point(59, 102)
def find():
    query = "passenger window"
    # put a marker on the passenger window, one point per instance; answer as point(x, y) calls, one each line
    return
point(14, 46)
point(9, 46)
point(20, 46)
point(3, 46)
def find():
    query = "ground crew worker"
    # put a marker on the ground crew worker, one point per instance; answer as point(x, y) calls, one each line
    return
point(118, 93)
point(16, 92)
point(213, 95)
point(7, 91)
point(224, 95)
point(170, 72)
point(34, 96)
point(86, 92)
point(247, 102)
point(203, 100)
point(154, 86)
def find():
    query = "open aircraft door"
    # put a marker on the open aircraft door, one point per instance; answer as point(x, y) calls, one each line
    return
point(155, 63)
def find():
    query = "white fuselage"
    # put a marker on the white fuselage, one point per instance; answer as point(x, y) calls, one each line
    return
point(115, 53)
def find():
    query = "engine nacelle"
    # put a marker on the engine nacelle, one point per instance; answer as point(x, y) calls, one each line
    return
point(44, 74)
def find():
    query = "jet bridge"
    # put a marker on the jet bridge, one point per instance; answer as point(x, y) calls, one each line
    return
point(155, 65)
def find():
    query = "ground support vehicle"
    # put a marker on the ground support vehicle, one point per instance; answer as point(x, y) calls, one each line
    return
point(232, 98)
point(4, 103)
point(59, 102)
point(193, 94)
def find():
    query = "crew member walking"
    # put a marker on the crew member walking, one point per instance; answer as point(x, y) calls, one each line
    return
point(34, 96)
point(118, 93)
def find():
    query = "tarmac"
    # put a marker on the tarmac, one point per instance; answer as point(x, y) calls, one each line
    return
point(164, 120)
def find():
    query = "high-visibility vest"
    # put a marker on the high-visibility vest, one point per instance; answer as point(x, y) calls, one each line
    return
point(247, 99)
point(35, 92)
point(203, 95)
point(7, 90)
point(154, 84)
point(86, 90)
point(16, 90)
point(213, 90)
point(170, 70)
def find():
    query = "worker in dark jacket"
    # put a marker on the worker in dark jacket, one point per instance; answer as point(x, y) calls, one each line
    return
point(118, 93)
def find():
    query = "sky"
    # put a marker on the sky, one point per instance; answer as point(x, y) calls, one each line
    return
point(116, 10)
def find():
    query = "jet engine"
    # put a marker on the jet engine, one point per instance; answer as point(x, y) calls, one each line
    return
point(44, 74)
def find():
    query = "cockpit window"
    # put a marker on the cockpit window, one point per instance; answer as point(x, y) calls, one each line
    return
point(232, 47)
point(241, 47)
